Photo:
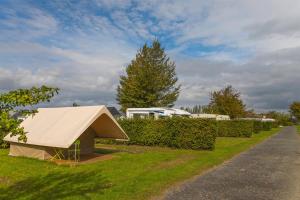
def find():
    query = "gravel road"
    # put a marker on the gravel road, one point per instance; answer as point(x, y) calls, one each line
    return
point(268, 171)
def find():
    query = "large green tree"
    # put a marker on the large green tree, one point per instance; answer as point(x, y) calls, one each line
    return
point(150, 80)
point(20, 102)
point(295, 109)
point(227, 101)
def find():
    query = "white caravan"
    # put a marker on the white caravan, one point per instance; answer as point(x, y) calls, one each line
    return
point(155, 112)
point(211, 116)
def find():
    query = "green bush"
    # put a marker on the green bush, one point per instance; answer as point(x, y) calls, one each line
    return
point(257, 126)
point(186, 133)
point(275, 124)
point(263, 126)
point(174, 132)
point(266, 126)
point(235, 128)
point(286, 124)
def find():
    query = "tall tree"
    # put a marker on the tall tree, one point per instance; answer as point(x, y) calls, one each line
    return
point(227, 101)
point(150, 80)
point(295, 109)
point(21, 103)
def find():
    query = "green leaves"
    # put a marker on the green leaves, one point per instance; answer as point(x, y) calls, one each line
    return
point(150, 80)
point(9, 125)
point(20, 102)
point(26, 97)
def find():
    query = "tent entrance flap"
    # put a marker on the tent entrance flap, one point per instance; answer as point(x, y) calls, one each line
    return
point(74, 154)
point(105, 127)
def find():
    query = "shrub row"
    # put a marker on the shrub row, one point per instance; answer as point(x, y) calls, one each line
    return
point(235, 128)
point(263, 126)
point(172, 132)
point(186, 133)
point(243, 128)
point(257, 126)
point(266, 126)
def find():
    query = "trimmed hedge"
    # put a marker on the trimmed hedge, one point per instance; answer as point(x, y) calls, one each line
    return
point(235, 128)
point(174, 132)
point(243, 128)
point(266, 126)
point(186, 133)
point(257, 126)
point(263, 126)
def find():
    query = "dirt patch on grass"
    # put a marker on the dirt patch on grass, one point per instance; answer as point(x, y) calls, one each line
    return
point(86, 159)
point(4, 180)
point(171, 163)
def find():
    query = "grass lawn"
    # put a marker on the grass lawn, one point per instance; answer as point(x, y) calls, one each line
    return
point(298, 128)
point(135, 172)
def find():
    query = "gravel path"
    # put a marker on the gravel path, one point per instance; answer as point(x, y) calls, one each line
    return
point(270, 170)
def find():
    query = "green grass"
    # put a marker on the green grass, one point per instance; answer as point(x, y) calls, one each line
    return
point(135, 172)
point(298, 128)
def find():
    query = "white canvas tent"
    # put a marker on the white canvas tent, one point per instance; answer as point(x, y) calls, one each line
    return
point(59, 128)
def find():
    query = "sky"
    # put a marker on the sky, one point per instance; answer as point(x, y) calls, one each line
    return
point(83, 47)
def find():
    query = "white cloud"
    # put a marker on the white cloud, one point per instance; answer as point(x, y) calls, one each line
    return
point(269, 81)
point(32, 23)
point(231, 23)
point(84, 52)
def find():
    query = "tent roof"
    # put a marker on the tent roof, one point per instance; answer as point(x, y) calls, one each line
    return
point(60, 127)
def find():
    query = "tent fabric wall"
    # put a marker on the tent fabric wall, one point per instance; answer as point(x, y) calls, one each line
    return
point(45, 153)
point(31, 151)
point(17, 149)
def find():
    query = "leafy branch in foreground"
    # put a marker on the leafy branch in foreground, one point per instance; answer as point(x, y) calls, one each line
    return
point(20, 102)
